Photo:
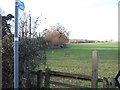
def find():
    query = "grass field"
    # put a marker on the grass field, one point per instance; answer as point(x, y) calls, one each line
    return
point(77, 58)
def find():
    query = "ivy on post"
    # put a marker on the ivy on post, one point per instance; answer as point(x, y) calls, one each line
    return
point(47, 78)
point(39, 79)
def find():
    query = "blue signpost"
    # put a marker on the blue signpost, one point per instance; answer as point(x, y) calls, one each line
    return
point(18, 5)
point(21, 5)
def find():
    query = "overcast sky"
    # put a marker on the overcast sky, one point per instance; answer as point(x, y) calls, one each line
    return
point(85, 19)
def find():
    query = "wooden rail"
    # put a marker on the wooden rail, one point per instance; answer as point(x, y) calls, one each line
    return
point(67, 75)
point(74, 76)
point(48, 73)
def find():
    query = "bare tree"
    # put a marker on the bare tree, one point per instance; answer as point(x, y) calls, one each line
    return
point(28, 26)
point(23, 24)
point(56, 36)
point(31, 48)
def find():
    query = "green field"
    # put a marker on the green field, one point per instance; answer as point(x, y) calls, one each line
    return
point(77, 58)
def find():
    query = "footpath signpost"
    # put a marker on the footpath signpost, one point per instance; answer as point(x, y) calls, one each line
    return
point(18, 5)
point(117, 78)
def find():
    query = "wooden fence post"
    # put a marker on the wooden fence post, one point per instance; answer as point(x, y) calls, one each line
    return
point(94, 69)
point(47, 78)
point(39, 79)
point(113, 83)
point(105, 83)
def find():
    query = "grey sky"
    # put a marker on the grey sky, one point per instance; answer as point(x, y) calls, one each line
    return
point(85, 19)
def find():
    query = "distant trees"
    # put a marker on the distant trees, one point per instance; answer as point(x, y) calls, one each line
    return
point(56, 36)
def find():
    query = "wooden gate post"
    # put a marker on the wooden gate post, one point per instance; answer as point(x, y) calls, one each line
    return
point(39, 79)
point(113, 83)
point(47, 78)
point(94, 69)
